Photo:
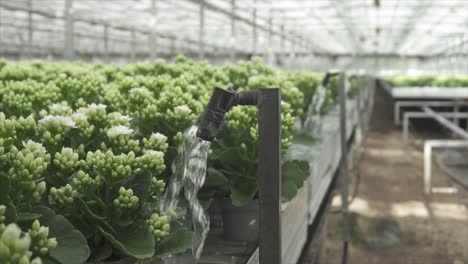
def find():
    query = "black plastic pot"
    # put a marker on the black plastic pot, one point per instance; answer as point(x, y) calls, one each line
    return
point(240, 223)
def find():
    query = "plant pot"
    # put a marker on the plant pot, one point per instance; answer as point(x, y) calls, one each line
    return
point(240, 223)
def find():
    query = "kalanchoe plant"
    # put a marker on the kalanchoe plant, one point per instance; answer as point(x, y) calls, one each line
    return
point(86, 149)
point(15, 246)
point(104, 190)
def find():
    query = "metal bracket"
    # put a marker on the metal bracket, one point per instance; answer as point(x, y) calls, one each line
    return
point(428, 146)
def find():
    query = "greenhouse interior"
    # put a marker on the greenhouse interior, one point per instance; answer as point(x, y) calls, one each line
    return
point(233, 131)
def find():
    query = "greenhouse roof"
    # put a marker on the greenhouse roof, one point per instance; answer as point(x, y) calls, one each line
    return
point(333, 27)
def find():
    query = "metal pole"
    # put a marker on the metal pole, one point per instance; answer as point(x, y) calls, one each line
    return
point(270, 39)
point(269, 171)
point(233, 31)
point(152, 35)
point(132, 44)
point(254, 28)
point(344, 163)
point(456, 109)
point(201, 31)
point(173, 47)
point(445, 122)
point(69, 49)
point(106, 42)
point(427, 167)
point(30, 30)
point(428, 146)
point(283, 40)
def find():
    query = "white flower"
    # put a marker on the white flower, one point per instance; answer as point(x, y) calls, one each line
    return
point(97, 106)
point(63, 120)
point(92, 107)
point(34, 145)
point(142, 90)
point(79, 116)
point(154, 154)
point(158, 136)
point(118, 130)
point(58, 107)
point(182, 108)
point(121, 117)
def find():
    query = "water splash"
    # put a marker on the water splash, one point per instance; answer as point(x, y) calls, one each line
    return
point(312, 122)
point(189, 172)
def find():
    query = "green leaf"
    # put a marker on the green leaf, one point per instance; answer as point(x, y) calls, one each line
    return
point(295, 171)
point(4, 188)
point(228, 156)
point(140, 183)
point(10, 213)
point(24, 217)
point(103, 252)
point(177, 242)
point(72, 247)
point(215, 178)
point(289, 190)
point(91, 213)
point(135, 241)
point(241, 197)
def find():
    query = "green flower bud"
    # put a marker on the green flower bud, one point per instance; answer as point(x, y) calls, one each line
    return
point(159, 226)
point(126, 199)
point(62, 199)
point(40, 242)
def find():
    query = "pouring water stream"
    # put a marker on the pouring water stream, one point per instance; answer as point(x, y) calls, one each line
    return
point(189, 167)
point(189, 172)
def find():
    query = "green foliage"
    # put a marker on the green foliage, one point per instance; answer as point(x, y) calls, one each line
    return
point(437, 80)
point(159, 226)
point(40, 241)
point(86, 149)
point(15, 245)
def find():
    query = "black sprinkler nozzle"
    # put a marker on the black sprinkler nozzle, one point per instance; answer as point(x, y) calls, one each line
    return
point(328, 76)
point(220, 103)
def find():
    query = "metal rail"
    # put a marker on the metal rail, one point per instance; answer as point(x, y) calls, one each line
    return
point(344, 164)
point(428, 146)
point(400, 104)
point(445, 122)
point(408, 115)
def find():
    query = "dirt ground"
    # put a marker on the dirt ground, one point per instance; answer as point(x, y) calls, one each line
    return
point(434, 228)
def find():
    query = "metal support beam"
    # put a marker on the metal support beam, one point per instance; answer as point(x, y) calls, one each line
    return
point(408, 115)
point(445, 122)
point(132, 44)
point(344, 162)
point(269, 172)
point(428, 146)
point(201, 31)
point(233, 31)
point(254, 29)
point(30, 29)
point(238, 17)
point(106, 42)
point(400, 104)
point(283, 40)
point(152, 41)
point(173, 47)
point(69, 49)
point(270, 44)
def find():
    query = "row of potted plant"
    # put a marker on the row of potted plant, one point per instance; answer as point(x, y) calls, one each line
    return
point(437, 80)
point(86, 151)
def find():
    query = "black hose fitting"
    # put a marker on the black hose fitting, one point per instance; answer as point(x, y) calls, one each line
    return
point(328, 76)
point(221, 101)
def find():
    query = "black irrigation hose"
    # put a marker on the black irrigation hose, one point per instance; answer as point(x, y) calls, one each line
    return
point(344, 258)
point(355, 193)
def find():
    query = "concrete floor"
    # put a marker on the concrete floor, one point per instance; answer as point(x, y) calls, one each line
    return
point(434, 228)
